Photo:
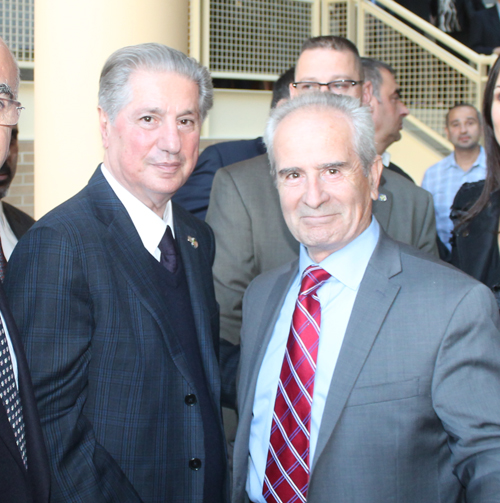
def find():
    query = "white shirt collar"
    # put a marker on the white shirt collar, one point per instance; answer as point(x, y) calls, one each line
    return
point(386, 159)
point(148, 224)
point(348, 264)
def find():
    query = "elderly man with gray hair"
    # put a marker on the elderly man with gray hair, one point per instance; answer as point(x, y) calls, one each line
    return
point(114, 297)
point(372, 373)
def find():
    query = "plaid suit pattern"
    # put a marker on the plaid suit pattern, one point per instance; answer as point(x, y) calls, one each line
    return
point(109, 374)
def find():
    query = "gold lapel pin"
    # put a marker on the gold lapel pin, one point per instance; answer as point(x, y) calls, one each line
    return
point(193, 241)
point(382, 197)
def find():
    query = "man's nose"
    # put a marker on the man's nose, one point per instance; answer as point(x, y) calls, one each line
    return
point(315, 195)
point(169, 138)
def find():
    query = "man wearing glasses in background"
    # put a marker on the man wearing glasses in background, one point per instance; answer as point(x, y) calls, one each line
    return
point(24, 472)
point(244, 212)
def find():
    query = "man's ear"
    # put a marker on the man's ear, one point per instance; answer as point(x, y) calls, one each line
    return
point(374, 176)
point(104, 125)
point(366, 97)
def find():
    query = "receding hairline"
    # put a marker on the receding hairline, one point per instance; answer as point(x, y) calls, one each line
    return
point(13, 86)
point(355, 57)
point(462, 105)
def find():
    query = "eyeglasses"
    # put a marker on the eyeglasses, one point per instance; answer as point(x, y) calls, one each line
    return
point(10, 111)
point(335, 86)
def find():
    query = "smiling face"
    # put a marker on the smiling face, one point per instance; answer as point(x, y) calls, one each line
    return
point(463, 128)
point(324, 194)
point(152, 146)
point(388, 113)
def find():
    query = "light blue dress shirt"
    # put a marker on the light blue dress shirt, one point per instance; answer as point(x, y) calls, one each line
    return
point(443, 180)
point(347, 267)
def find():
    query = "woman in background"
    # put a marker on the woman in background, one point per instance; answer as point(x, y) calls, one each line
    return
point(476, 209)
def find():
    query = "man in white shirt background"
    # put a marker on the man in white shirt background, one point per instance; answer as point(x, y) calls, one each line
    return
point(467, 163)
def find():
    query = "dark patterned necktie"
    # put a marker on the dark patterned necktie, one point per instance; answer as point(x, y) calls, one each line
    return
point(287, 469)
point(10, 395)
point(168, 252)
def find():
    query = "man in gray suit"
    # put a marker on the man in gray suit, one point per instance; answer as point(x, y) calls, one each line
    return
point(370, 371)
point(250, 232)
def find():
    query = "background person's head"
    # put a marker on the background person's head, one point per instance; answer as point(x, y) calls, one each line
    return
point(330, 59)
point(387, 108)
point(463, 126)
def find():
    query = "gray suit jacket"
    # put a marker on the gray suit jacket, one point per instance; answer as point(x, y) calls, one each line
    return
point(413, 411)
point(252, 237)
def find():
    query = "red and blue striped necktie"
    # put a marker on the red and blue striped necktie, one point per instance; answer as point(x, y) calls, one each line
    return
point(287, 469)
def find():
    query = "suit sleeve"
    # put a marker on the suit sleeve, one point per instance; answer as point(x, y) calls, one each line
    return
point(234, 266)
point(195, 194)
point(466, 393)
point(51, 302)
point(427, 240)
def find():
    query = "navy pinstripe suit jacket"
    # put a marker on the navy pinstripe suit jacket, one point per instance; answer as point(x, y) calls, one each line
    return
point(109, 373)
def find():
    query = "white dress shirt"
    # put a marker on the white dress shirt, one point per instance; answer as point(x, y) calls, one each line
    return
point(347, 267)
point(147, 223)
point(9, 240)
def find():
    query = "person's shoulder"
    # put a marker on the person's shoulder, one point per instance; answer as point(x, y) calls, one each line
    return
point(425, 272)
point(467, 195)
point(250, 171)
point(236, 150)
point(14, 210)
point(399, 185)
point(267, 279)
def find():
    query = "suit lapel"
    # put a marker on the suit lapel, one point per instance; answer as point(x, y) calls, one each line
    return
point(185, 236)
point(374, 299)
point(134, 262)
point(274, 301)
point(383, 206)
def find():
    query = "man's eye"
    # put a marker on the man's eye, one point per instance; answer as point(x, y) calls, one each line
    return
point(341, 85)
point(147, 118)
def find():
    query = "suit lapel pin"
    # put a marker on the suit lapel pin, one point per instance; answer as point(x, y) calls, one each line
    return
point(193, 242)
point(382, 197)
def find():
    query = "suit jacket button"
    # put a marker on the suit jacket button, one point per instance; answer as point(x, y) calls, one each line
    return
point(195, 464)
point(465, 234)
point(190, 400)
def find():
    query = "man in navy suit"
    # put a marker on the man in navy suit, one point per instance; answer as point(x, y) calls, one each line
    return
point(485, 31)
point(194, 196)
point(114, 296)
point(24, 473)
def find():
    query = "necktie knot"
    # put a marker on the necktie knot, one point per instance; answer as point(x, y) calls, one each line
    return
point(313, 278)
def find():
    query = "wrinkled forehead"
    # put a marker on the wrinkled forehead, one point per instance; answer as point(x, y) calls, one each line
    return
point(327, 64)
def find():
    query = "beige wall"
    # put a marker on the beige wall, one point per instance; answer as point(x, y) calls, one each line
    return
point(413, 156)
point(72, 42)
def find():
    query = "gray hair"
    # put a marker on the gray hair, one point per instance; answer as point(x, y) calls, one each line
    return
point(114, 89)
point(359, 117)
point(372, 69)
